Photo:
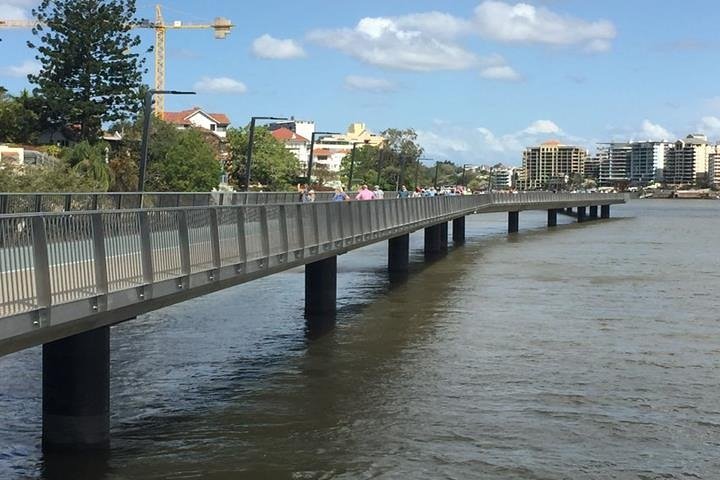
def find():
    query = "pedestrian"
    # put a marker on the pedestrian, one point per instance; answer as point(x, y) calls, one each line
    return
point(379, 194)
point(364, 194)
point(311, 196)
point(304, 192)
point(340, 195)
point(403, 193)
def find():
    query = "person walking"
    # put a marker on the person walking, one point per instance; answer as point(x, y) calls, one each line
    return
point(304, 193)
point(365, 194)
point(340, 195)
point(403, 193)
point(379, 194)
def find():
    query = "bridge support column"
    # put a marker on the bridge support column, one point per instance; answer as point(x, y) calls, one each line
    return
point(552, 218)
point(581, 214)
point(321, 287)
point(513, 222)
point(76, 392)
point(604, 211)
point(568, 210)
point(444, 237)
point(593, 212)
point(399, 254)
point(432, 240)
point(459, 230)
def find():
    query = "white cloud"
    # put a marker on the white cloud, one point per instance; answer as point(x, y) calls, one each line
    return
point(653, 131)
point(710, 126)
point(526, 23)
point(544, 127)
point(369, 84)
point(266, 46)
point(219, 85)
point(25, 68)
point(480, 145)
point(437, 24)
point(16, 9)
point(384, 43)
point(500, 72)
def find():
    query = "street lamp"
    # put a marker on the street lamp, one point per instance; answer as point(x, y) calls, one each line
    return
point(437, 166)
point(147, 106)
point(312, 147)
point(417, 167)
point(352, 162)
point(463, 174)
point(251, 136)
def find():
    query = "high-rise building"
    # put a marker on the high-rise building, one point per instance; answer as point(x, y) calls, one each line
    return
point(647, 161)
point(551, 163)
point(714, 166)
point(686, 161)
point(615, 163)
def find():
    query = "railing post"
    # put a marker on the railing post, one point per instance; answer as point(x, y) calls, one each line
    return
point(284, 238)
point(264, 232)
point(100, 263)
point(242, 249)
point(3, 203)
point(67, 202)
point(184, 236)
point(146, 249)
point(300, 226)
point(41, 264)
point(215, 237)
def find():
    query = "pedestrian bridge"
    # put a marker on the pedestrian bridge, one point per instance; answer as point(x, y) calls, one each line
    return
point(66, 276)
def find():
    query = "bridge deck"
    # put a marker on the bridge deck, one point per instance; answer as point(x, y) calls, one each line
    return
point(64, 273)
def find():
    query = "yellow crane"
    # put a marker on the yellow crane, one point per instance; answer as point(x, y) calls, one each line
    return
point(221, 26)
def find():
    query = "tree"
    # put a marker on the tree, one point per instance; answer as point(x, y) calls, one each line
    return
point(89, 161)
point(273, 166)
point(55, 176)
point(88, 74)
point(189, 165)
point(18, 121)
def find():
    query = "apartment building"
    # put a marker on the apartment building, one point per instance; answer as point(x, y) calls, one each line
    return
point(551, 162)
point(687, 161)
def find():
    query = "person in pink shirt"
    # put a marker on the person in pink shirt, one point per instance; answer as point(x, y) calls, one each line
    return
point(365, 194)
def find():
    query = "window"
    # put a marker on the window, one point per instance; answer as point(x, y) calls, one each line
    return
point(212, 127)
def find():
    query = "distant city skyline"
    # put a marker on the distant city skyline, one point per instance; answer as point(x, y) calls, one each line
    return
point(478, 80)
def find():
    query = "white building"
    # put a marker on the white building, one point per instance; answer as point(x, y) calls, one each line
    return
point(196, 117)
point(502, 178)
point(614, 163)
point(304, 128)
point(687, 161)
point(295, 143)
point(647, 161)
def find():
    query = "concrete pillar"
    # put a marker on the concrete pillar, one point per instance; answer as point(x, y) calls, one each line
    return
point(459, 230)
point(321, 287)
point(444, 236)
point(568, 211)
point(604, 211)
point(513, 222)
point(432, 240)
point(76, 392)
point(580, 214)
point(399, 253)
point(593, 212)
point(552, 218)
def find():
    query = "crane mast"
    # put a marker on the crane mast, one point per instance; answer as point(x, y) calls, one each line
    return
point(221, 26)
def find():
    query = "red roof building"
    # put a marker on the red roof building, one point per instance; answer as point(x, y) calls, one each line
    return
point(197, 117)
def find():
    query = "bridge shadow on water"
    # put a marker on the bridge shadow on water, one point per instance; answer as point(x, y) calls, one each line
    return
point(300, 410)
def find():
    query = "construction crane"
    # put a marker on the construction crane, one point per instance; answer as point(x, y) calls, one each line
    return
point(221, 26)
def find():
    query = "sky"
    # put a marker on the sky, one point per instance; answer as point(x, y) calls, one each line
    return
point(477, 80)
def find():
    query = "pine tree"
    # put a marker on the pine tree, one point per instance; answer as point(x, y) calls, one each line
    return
point(89, 73)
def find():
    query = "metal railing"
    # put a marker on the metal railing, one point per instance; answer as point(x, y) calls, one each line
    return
point(60, 267)
point(11, 203)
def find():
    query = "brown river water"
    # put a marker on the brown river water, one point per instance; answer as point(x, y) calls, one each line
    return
point(587, 352)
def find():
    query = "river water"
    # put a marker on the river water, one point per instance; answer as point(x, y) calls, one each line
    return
point(587, 352)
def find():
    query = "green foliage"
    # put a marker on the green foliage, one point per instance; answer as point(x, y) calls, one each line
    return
point(89, 74)
point(89, 161)
point(189, 165)
point(18, 121)
point(273, 166)
point(53, 177)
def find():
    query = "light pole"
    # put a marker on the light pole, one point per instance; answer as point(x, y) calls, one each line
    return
point(403, 159)
point(147, 106)
point(251, 136)
point(352, 163)
point(417, 167)
point(463, 174)
point(437, 166)
point(312, 147)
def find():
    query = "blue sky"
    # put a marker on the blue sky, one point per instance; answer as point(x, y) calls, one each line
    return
point(478, 80)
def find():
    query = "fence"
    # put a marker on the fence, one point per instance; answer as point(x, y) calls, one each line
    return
point(50, 259)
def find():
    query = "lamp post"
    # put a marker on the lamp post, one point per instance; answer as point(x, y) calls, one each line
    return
point(437, 166)
point(147, 106)
point(312, 147)
point(463, 174)
point(417, 168)
point(251, 136)
point(352, 163)
point(401, 178)
point(381, 157)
